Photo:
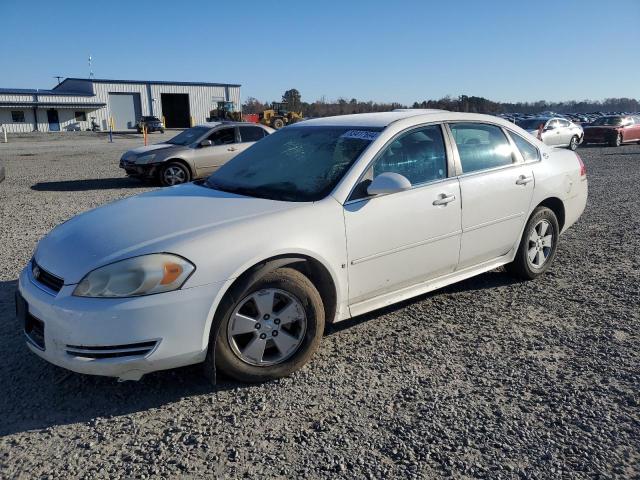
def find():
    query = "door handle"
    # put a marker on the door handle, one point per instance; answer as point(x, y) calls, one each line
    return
point(231, 149)
point(523, 180)
point(443, 199)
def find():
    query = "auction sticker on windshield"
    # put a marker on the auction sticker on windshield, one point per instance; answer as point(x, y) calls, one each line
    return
point(360, 134)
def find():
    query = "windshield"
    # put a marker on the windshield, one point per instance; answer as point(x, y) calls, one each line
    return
point(611, 121)
point(531, 123)
point(188, 136)
point(298, 164)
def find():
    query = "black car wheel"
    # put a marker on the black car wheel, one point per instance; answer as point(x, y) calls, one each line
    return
point(616, 141)
point(573, 144)
point(269, 329)
point(174, 173)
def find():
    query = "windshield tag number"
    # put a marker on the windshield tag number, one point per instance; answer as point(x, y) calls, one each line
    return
point(361, 135)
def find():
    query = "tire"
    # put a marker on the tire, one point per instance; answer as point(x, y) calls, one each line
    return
point(284, 292)
point(573, 143)
point(278, 123)
point(616, 141)
point(162, 130)
point(174, 173)
point(525, 267)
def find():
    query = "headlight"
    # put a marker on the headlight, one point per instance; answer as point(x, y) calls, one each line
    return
point(134, 277)
point(146, 158)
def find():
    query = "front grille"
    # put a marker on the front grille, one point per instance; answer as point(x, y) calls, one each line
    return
point(45, 278)
point(34, 330)
point(112, 351)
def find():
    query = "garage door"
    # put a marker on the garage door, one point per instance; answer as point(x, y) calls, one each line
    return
point(125, 109)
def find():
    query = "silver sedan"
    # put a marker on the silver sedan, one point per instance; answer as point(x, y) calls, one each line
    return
point(554, 131)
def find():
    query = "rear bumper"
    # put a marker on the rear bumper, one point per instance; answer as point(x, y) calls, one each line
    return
point(574, 205)
point(123, 338)
point(2, 174)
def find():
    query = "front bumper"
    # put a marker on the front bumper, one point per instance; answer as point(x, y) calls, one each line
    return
point(123, 338)
point(148, 170)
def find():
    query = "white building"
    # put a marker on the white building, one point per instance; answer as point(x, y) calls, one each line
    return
point(73, 103)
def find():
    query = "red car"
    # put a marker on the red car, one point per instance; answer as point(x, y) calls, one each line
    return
point(614, 130)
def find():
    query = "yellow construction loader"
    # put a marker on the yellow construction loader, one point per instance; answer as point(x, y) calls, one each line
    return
point(279, 116)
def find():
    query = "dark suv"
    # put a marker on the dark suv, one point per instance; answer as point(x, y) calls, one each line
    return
point(152, 123)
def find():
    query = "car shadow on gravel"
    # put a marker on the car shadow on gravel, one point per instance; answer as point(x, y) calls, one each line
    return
point(89, 184)
point(37, 395)
point(493, 279)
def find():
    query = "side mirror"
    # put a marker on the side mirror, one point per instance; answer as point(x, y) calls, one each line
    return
point(388, 182)
point(206, 143)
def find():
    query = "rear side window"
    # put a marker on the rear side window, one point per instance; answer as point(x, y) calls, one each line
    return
point(481, 146)
point(528, 151)
point(418, 155)
point(251, 134)
point(224, 136)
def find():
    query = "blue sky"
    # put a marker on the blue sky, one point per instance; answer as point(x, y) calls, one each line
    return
point(392, 50)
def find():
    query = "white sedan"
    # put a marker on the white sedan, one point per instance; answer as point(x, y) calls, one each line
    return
point(319, 222)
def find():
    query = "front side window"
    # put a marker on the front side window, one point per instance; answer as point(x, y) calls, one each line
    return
point(528, 151)
point(481, 146)
point(251, 134)
point(81, 116)
point(17, 116)
point(420, 156)
point(298, 164)
point(224, 136)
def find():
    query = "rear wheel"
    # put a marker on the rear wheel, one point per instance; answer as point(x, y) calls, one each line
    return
point(272, 330)
point(573, 144)
point(537, 247)
point(174, 173)
point(616, 141)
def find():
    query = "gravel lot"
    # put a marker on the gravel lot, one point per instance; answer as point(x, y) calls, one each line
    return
point(489, 378)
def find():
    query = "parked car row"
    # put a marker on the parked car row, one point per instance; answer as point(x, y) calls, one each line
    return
point(318, 222)
point(570, 130)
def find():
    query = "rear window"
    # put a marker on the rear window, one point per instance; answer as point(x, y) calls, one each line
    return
point(481, 146)
point(528, 151)
point(251, 134)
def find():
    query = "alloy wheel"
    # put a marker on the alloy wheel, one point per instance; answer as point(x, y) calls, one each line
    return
point(540, 244)
point(174, 175)
point(267, 327)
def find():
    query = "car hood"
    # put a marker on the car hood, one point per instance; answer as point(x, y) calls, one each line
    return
point(153, 222)
point(137, 152)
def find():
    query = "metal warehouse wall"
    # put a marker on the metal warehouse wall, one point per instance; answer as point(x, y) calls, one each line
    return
point(7, 122)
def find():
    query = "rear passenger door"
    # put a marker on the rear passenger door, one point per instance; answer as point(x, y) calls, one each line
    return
point(496, 189)
point(552, 132)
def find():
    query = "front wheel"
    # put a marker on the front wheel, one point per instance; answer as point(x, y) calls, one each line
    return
point(573, 144)
point(538, 245)
point(174, 173)
point(278, 123)
point(272, 330)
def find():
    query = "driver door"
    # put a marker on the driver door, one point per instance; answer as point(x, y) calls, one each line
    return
point(223, 147)
point(404, 238)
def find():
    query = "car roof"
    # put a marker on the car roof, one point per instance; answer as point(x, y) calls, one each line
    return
point(379, 119)
point(233, 124)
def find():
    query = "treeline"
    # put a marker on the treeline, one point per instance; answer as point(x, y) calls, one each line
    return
point(463, 103)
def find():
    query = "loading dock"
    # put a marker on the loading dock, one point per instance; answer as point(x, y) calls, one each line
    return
point(175, 110)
